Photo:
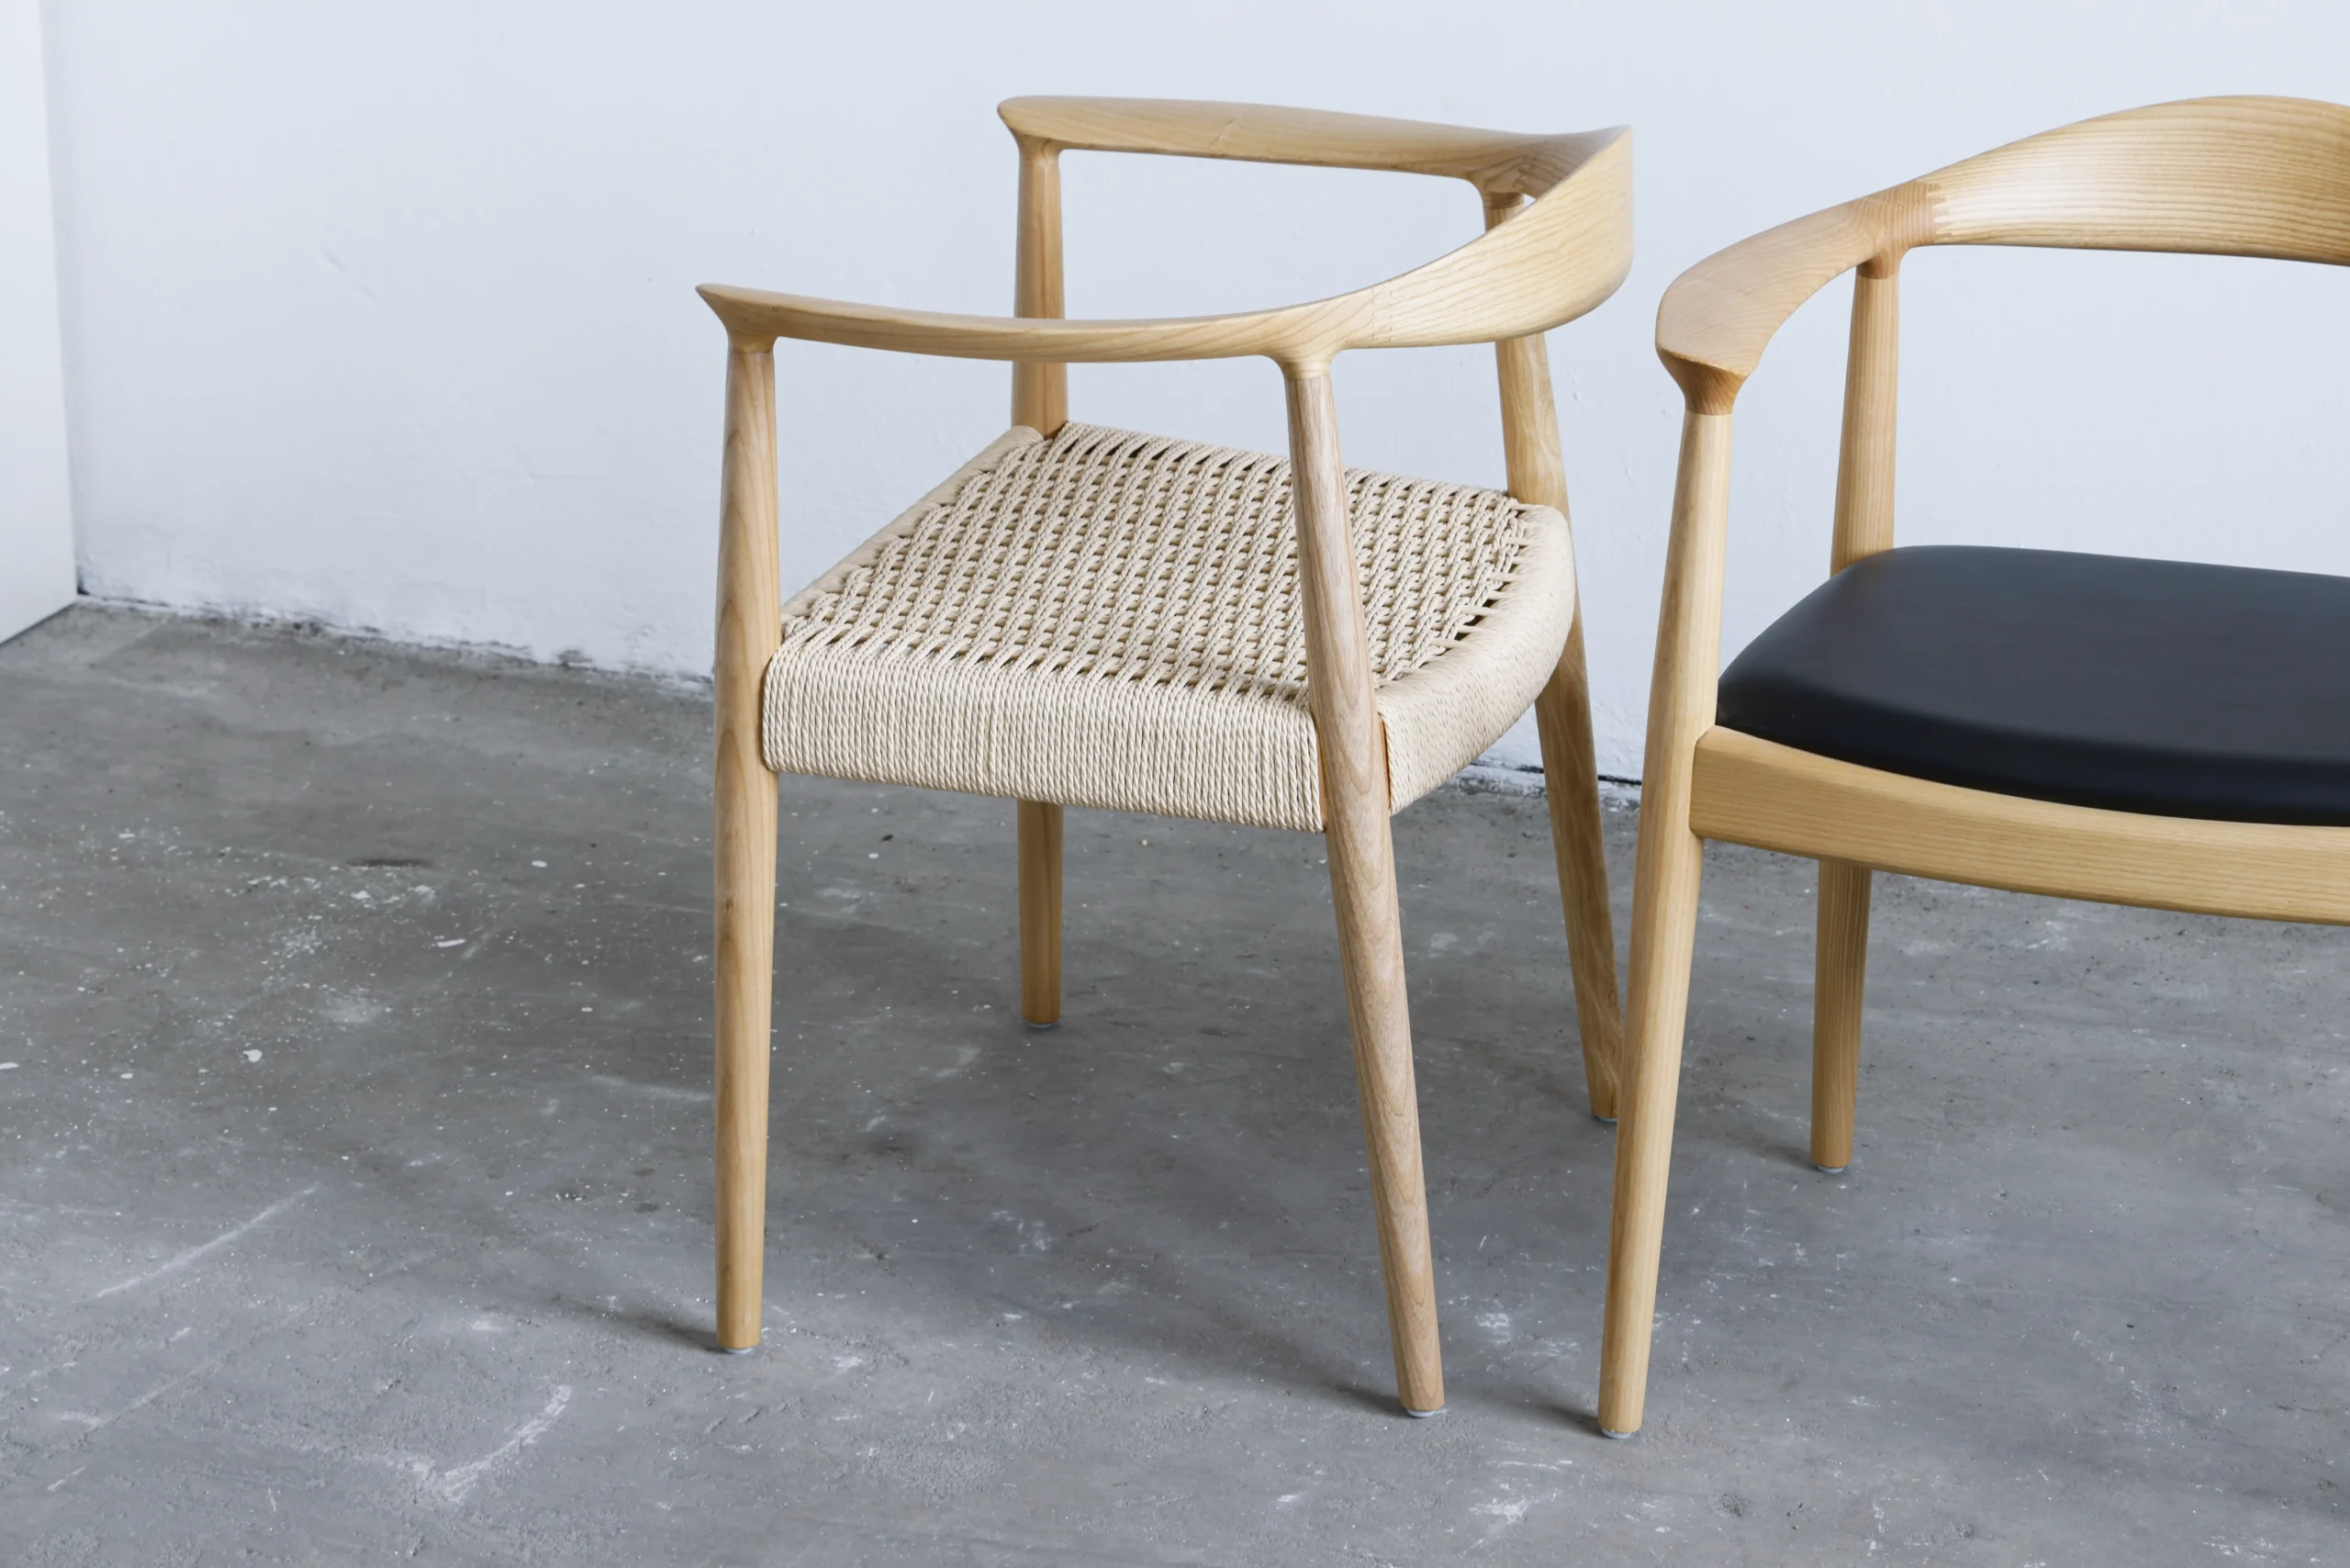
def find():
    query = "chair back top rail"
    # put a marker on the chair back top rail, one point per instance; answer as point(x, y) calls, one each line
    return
point(2241, 177)
point(1497, 163)
point(1547, 263)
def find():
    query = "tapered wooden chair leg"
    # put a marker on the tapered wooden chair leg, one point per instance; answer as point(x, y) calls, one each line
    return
point(1839, 966)
point(1040, 913)
point(1664, 915)
point(744, 792)
point(745, 970)
point(1371, 941)
point(1353, 752)
point(1570, 783)
point(1664, 929)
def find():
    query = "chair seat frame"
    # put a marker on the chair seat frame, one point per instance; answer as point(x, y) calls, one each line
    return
point(1558, 242)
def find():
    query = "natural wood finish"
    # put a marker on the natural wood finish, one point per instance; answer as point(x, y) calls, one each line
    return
point(1499, 163)
point(1773, 797)
point(1040, 913)
point(2245, 176)
point(1664, 912)
point(1838, 973)
point(1864, 465)
point(1562, 719)
point(1039, 401)
point(1550, 262)
point(1040, 389)
point(750, 609)
point(1362, 883)
point(2231, 176)
point(1541, 263)
point(1571, 786)
point(1864, 490)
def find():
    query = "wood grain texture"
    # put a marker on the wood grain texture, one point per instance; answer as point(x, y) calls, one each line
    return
point(750, 613)
point(2236, 176)
point(1864, 527)
point(1571, 789)
point(1564, 253)
point(1562, 719)
point(1363, 884)
point(1839, 976)
point(2240, 176)
point(1040, 912)
point(1039, 388)
point(1501, 163)
point(1864, 465)
point(1773, 797)
point(1541, 262)
point(1664, 912)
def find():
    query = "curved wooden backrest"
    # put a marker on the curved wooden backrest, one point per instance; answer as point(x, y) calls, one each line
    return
point(1541, 263)
point(1497, 163)
point(2221, 176)
point(2243, 176)
point(1536, 266)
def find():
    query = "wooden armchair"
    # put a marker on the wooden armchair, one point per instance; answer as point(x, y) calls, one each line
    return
point(1098, 617)
point(2095, 727)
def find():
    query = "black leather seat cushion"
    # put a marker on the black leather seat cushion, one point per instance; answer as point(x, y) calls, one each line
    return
point(2100, 680)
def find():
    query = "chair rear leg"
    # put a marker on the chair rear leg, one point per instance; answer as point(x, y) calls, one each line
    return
point(1040, 913)
point(1570, 783)
point(1839, 965)
point(1370, 948)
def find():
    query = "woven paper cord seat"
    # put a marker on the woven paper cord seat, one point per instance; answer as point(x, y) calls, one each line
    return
point(1111, 619)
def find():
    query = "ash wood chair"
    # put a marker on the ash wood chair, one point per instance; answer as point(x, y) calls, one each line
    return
point(2094, 727)
point(1093, 617)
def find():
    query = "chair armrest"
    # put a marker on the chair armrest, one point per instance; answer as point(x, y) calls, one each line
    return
point(1498, 162)
point(1718, 317)
point(1545, 264)
point(753, 317)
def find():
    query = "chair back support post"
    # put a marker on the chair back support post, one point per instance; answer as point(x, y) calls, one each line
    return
point(1864, 465)
point(1529, 413)
point(1562, 712)
point(750, 618)
point(1039, 390)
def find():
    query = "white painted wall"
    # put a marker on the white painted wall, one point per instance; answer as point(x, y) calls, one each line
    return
point(383, 314)
point(36, 509)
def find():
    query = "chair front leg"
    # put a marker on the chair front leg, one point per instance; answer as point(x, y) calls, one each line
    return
point(746, 980)
point(1370, 948)
point(1664, 931)
point(1664, 912)
point(750, 616)
point(1353, 752)
point(1571, 784)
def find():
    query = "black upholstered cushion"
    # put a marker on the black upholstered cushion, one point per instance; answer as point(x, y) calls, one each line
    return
point(2100, 680)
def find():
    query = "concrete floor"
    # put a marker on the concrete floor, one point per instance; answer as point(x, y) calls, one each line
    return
point(354, 1193)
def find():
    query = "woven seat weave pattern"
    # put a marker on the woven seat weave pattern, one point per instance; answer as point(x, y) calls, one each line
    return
point(1111, 619)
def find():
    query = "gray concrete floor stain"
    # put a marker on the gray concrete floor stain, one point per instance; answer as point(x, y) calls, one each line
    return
point(354, 1195)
